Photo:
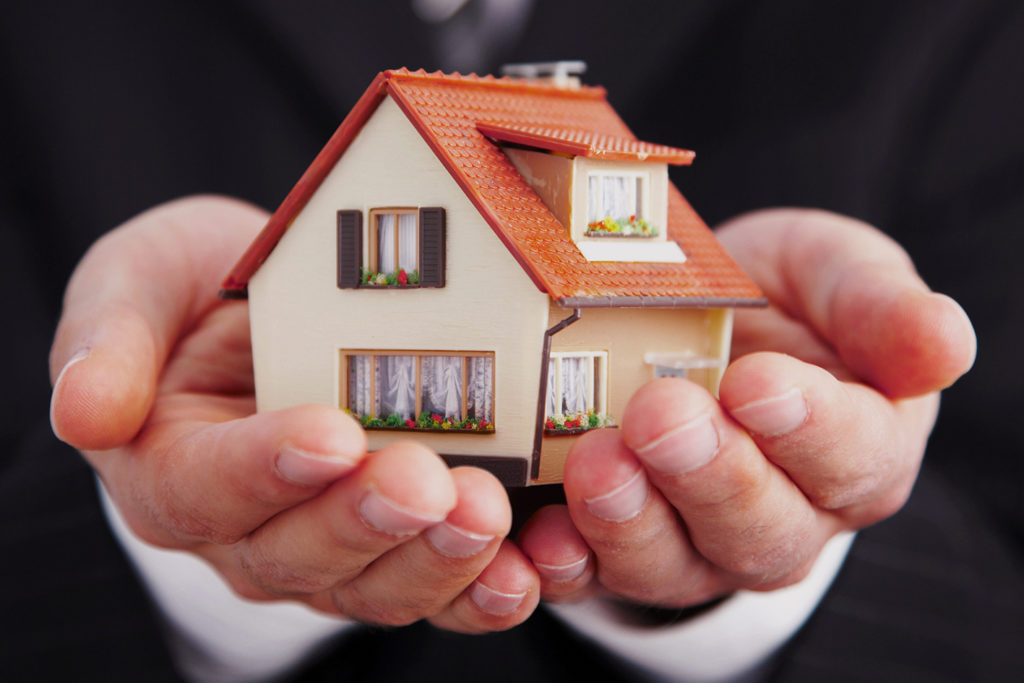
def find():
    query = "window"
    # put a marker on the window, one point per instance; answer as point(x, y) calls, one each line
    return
point(615, 206)
point(576, 394)
point(406, 248)
point(417, 390)
point(394, 241)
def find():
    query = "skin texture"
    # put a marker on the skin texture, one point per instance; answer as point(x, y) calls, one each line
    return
point(821, 426)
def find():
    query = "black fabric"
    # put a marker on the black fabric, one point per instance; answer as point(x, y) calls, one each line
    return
point(907, 115)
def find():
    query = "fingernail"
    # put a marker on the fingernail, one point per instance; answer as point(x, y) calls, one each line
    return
point(495, 602)
point(382, 514)
point(452, 541)
point(622, 503)
point(78, 356)
point(774, 416)
point(560, 573)
point(683, 448)
point(311, 469)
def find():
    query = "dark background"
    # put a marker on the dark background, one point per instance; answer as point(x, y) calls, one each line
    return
point(907, 115)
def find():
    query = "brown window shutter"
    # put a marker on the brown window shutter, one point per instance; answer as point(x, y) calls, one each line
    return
point(432, 231)
point(350, 248)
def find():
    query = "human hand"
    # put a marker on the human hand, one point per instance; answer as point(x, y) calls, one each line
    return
point(821, 426)
point(153, 383)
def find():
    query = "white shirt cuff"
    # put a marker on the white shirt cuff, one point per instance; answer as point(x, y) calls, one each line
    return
point(216, 636)
point(730, 642)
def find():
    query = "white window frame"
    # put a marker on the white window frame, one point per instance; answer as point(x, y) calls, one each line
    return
point(641, 194)
point(597, 370)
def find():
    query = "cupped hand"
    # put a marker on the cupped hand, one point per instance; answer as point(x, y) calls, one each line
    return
point(153, 384)
point(821, 426)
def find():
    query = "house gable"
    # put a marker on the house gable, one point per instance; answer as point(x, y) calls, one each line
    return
point(303, 324)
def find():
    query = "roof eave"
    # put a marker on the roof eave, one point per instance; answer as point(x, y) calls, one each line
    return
point(236, 284)
point(660, 302)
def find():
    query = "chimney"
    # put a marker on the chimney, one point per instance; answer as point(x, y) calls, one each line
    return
point(561, 74)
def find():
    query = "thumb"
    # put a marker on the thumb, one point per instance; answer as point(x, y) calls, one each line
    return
point(108, 366)
point(129, 300)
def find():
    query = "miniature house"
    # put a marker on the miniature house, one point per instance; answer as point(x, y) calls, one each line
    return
point(491, 266)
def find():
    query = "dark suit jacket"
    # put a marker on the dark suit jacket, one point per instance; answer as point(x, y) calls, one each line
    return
point(907, 115)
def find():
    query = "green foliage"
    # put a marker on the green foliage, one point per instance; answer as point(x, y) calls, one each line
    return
point(632, 226)
point(426, 420)
point(577, 421)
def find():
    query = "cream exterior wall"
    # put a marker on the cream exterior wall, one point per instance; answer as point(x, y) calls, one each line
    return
point(300, 319)
point(627, 334)
point(550, 176)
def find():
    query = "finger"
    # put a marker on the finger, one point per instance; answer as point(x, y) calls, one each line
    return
point(643, 552)
point(813, 427)
point(218, 482)
point(396, 493)
point(504, 595)
point(859, 290)
point(126, 304)
point(742, 513)
point(559, 553)
point(421, 577)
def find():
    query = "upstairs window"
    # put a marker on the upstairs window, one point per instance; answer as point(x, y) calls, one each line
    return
point(405, 248)
point(394, 242)
point(616, 205)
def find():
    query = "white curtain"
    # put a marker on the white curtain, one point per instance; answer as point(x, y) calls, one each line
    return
point(408, 251)
point(386, 243)
point(614, 196)
point(396, 385)
point(479, 401)
point(360, 401)
point(442, 385)
point(552, 403)
point(574, 385)
point(594, 199)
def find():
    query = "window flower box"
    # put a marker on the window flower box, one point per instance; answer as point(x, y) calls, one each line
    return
point(575, 423)
point(623, 227)
point(399, 278)
point(426, 422)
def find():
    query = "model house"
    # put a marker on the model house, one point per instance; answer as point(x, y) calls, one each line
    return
point(491, 266)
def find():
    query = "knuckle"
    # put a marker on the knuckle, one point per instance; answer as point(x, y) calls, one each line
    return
point(882, 507)
point(635, 586)
point(278, 577)
point(195, 525)
point(761, 554)
point(351, 601)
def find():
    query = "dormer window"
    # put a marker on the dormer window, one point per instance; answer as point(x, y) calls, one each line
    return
point(617, 205)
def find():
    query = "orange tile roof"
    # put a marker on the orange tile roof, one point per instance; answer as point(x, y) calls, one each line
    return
point(447, 110)
point(586, 143)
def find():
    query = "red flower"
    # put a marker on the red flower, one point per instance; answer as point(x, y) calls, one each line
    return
point(550, 424)
point(403, 279)
point(437, 418)
point(410, 424)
